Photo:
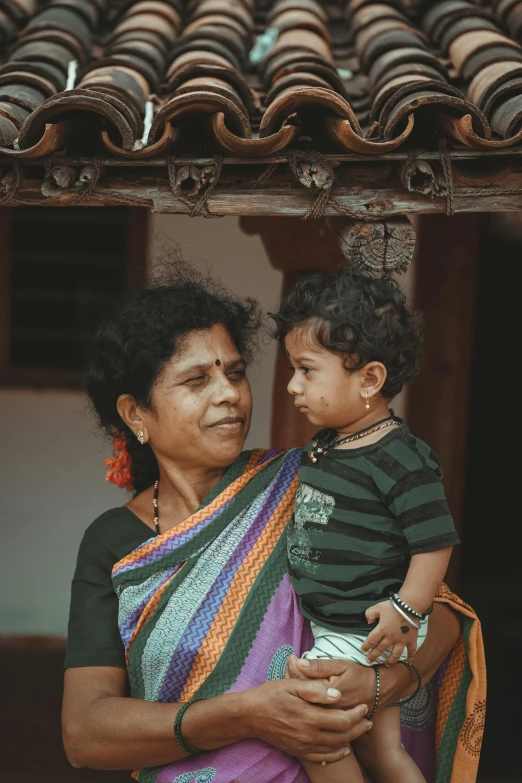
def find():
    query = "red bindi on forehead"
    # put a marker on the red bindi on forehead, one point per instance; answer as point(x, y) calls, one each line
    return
point(218, 362)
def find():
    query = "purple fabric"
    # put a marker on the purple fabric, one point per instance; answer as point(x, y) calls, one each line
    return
point(170, 544)
point(200, 623)
point(203, 618)
point(282, 625)
point(282, 630)
point(254, 760)
point(250, 761)
point(268, 455)
point(421, 747)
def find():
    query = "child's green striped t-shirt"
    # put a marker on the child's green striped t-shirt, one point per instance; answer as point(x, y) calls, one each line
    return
point(360, 515)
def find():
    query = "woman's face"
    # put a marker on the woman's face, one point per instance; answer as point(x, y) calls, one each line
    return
point(201, 403)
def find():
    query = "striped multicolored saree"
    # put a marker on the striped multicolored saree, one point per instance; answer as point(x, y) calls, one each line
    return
point(207, 608)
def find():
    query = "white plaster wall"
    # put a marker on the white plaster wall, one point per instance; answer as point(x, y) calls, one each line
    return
point(240, 262)
point(51, 487)
point(51, 456)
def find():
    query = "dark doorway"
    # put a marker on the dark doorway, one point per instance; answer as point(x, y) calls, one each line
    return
point(490, 555)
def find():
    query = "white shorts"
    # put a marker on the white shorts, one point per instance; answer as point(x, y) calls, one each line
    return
point(347, 645)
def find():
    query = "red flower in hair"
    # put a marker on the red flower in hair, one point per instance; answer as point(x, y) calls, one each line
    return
point(120, 465)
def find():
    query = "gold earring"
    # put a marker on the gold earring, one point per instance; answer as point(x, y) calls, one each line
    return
point(141, 437)
point(367, 406)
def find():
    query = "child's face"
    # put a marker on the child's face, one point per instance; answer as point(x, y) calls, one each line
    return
point(327, 393)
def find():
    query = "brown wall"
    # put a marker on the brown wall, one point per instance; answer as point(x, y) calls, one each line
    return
point(444, 291)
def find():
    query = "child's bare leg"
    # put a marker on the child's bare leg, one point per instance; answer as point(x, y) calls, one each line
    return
point(346, 770)
point(381, 753)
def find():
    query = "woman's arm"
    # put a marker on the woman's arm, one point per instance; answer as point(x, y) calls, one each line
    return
point(104, 729)
point(357, 683)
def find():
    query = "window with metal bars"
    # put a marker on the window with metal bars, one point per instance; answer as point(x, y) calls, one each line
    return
point(60, 269)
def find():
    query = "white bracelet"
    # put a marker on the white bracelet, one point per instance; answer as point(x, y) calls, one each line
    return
point(398, 609)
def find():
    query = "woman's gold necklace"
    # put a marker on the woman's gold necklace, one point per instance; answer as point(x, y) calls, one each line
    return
point(155, 507)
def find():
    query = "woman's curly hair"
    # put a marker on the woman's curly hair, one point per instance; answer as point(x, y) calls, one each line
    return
point(133, 344)
point(359, 316)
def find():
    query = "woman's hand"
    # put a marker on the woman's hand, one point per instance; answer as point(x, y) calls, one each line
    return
point(287, 715)
point(357, 683)
point(105, 729)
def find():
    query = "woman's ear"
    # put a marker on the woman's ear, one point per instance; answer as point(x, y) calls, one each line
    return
point(373, 376)
point(130, 412)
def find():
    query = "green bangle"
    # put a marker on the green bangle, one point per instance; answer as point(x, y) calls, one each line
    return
point(406, 699)
point(377, 693)
point(177, 729)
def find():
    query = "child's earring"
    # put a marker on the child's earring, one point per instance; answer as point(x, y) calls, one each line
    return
point(141, 437)
point(367, 406)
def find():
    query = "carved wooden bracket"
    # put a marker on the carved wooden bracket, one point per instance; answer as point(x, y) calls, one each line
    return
point(383, 246)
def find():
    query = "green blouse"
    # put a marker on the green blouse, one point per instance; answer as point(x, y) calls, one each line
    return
point(93, 636)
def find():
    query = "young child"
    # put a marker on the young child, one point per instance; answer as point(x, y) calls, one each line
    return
point(372, 534)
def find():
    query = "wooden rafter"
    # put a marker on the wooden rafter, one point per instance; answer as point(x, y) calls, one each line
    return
point(366, 190)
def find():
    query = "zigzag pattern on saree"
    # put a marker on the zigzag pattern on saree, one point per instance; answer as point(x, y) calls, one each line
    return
point(223, 677)
point(452, 729)
point(183, 599)
point(127, 624)
point(202, 619)
point(449, 687)
point(169, 648)
point(166, 547)
point(192, 639)
point(147, 613)
point(175, 678)
point(220, 608)
point(160, 546)
point(270, 519)
point(227, 671)
point(224, 622)
point(454, 667)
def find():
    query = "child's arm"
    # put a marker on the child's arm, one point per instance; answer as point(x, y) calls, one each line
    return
point(423, 579)
point(418, 502)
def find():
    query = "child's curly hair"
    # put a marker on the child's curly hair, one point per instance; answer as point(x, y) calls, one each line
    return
point(359, 316)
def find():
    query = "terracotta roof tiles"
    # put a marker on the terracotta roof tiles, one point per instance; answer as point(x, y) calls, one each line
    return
point(153, 77)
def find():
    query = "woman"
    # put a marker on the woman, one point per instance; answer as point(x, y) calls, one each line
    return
point(181, 596)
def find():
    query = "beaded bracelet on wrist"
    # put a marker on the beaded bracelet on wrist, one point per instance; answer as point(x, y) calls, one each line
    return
point(377, 693)
point(404, 615)
point(403, 605)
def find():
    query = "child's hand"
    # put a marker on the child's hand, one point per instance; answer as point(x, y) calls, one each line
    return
point(292, 672)
point(388, 634)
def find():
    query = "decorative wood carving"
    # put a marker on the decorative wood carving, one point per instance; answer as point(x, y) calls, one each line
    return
point(386, 245)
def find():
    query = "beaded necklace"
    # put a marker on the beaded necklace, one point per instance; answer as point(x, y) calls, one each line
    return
point(332, 439)
point(313, 455)
point(155, 507)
